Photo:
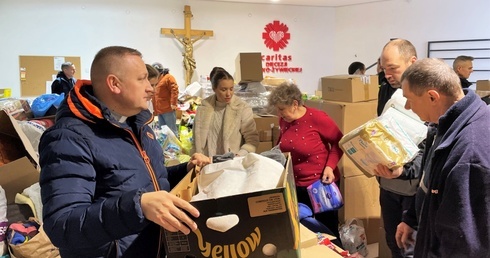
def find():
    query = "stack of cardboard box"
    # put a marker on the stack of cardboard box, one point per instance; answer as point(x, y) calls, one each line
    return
point(249, 70)
point(268, 129)
point(351, 102)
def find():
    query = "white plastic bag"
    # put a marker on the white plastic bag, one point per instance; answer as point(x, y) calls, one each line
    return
point(33, 132)
point(353, 237)
point(413, 126)
point(3, 222)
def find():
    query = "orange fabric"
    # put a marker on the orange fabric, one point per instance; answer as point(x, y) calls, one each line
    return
point(166, 94)
point(94, 110)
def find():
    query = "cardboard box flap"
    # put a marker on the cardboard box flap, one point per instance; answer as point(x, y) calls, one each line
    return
point(19, 175)
point(11, 128)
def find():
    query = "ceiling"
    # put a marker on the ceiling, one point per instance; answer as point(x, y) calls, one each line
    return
point(325, 3)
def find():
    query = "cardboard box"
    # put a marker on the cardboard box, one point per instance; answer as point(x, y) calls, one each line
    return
point(310, 247)
point(320, 251)
point(266, 122)
point(21, 173)
point(265, 218)
point(264, 146)
point(318, 93)
point(350, 88)
point(483, 85)
point(360, 193)
point(273, 81)
point(265, 136)
point(383, 249)
point(265, 125)
point(249, 67)
point(347, 116)
point(276, 132)
point(482, 93)
point(308, 238)
point(361, 201)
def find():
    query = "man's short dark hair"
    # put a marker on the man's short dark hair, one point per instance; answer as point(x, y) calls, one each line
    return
point(106, 59)
point(66, 65)
point(356, 66)
point(460, 59)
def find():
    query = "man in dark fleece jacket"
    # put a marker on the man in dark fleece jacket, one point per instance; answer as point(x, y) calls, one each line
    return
point(463, 66)
point(453, 220)
point(65, 79)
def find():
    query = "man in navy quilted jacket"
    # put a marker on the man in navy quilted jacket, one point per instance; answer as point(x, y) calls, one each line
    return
point(104, 185)
point(452, 205)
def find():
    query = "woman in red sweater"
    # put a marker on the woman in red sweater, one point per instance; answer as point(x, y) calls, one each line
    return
point(312, 138)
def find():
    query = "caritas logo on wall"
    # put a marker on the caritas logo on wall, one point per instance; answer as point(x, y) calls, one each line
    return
point(276, 37)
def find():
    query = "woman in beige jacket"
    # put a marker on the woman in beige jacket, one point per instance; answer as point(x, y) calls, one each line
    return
point(224, 123)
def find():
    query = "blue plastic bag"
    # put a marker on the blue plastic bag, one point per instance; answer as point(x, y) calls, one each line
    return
point(43, 103)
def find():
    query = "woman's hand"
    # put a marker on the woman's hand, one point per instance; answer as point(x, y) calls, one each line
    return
point(328, 176)
point(198, 159)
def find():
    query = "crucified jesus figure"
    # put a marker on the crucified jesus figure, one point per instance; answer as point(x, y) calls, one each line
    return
point(188, 54)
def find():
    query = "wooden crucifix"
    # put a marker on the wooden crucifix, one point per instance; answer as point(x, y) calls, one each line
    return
point(187, 37)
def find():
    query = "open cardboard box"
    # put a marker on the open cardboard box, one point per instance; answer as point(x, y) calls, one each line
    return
point(21, 173)
point(266, 218)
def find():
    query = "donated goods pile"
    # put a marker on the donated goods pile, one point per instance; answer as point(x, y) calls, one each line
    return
point(392, 139)
point(21, 232)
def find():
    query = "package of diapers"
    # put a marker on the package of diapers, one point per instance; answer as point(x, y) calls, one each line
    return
point(390, 139)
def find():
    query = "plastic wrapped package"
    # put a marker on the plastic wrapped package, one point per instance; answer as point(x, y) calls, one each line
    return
point(379, 141)
point(324, 197)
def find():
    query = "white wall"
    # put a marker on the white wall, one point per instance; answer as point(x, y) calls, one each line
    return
point(324, 41)
point(81, 28)
point(363, 30)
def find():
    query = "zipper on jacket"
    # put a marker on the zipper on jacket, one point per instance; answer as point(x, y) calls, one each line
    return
point(157, 188)
point(146, 159)
point(151, 172)
point(150, 169)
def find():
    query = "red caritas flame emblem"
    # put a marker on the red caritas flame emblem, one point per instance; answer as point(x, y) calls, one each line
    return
point(276, 35)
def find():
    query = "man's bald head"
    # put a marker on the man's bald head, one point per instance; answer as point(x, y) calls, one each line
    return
point(107, 61)
point(396, 56)
point(405, 48)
